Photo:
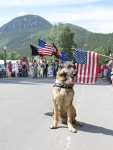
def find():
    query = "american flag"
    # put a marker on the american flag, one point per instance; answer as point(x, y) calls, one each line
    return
point(87, 66)
point(44, 48)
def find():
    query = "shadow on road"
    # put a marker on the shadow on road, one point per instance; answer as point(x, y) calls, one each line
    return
point(90, 128)
point(87, 127)
point(94, 129)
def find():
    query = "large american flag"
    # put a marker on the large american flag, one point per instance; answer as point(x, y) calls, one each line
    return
point(44, 48)
point(87, 66)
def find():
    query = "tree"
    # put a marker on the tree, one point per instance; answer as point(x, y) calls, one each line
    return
point(101, 50)
point(108, 50)
point(13, 56)
point(1, 56)
point(63, 38)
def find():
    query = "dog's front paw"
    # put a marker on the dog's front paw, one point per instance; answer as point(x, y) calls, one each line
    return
point(53, 126)
point(72, 130)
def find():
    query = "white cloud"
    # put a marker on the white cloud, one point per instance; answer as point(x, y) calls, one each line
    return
point(21, 13)
point(91, 16)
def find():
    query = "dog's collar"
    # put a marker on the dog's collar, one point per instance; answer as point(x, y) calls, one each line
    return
point(61, 85)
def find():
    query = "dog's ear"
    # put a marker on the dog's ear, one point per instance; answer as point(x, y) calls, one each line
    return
point(61, 65)
point(68, 64)
point(74, 66)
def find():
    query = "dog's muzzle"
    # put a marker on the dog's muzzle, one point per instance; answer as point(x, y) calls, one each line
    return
point(71, 74)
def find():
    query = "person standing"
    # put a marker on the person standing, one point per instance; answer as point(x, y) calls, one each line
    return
point(40, 70)
point(35, 65)
point(9, 69)
point(20, 70)
point(105, 69)
point(46, 70)
point(99, 71)
point(112, 76)
point(6, 69)
point(16, 69)
point(24, 69)
point(54, 68)
point(110, 66)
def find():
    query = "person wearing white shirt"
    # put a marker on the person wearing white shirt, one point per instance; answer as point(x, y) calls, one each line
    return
point(16, 69)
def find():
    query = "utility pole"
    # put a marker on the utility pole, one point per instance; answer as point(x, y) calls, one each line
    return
point(32, 44)
point(5, 49)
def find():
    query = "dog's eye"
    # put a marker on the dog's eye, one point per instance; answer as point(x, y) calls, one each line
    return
point(65, 74)
point(69, 67)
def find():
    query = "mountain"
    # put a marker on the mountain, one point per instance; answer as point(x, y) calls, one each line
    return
point(25, 22)
point(22, 31)
point(18, 33)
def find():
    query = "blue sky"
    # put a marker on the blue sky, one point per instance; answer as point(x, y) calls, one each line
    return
point(93, 15)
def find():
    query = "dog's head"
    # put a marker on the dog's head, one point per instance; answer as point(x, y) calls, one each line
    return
point(66, 73)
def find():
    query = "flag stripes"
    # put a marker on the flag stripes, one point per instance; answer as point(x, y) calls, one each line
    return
point(45, 49)
point(48, 50)
point(87, 66)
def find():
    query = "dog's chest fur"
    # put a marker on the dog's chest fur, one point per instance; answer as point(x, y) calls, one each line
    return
point(62, 96)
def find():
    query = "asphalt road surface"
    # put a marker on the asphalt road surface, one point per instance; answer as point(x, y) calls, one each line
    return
point(23, 125)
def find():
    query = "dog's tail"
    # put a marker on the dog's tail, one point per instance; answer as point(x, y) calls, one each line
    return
point(49, 114)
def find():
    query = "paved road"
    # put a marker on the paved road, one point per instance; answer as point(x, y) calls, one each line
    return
point(23, 125)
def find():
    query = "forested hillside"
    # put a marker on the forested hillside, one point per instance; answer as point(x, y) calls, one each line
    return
point(96, 40)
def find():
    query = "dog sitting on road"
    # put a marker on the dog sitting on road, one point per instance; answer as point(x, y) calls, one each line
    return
point(62, 95)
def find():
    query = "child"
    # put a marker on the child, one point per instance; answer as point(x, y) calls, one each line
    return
point(112, 76)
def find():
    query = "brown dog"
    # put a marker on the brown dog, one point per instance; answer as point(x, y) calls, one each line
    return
point(62, 95)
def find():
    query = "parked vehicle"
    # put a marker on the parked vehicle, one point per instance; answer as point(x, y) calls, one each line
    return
point(2, 70)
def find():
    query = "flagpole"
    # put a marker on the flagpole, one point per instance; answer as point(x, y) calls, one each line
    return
point(99, 54)
point(105, 56)
point(31, 51)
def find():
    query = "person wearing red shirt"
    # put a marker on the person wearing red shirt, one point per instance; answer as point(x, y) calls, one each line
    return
point(9, 69)
point(99, 71)
point(105, 69)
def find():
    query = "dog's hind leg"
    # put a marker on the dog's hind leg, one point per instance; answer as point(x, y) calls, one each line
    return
point(77, 122)
point(74, 121)
point(55, 116)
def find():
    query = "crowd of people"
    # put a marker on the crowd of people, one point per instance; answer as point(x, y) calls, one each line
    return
point(41, 68)
point(106, 71)
point(35, 69)
point(16, 70)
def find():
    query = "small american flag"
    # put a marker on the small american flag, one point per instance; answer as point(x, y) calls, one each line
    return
point(44, 48)
point(87, 66)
